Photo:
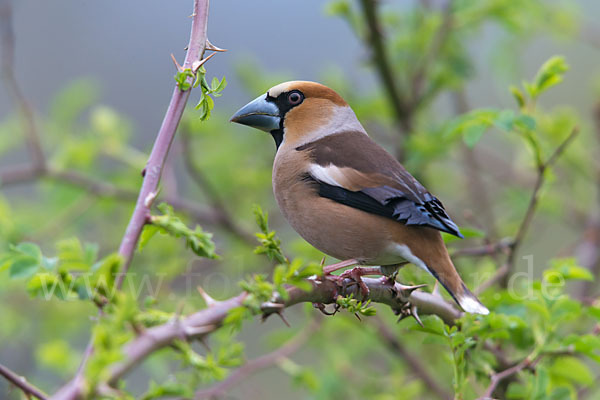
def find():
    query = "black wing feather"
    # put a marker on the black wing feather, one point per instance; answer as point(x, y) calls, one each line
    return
point(391, 203)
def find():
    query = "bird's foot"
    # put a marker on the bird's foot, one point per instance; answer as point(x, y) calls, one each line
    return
point(356, 275)
point(321, 307)
point(342, 264)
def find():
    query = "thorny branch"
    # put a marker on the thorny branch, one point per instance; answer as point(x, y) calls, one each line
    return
point(325, 291)
point(153, 170)
point(22, 383)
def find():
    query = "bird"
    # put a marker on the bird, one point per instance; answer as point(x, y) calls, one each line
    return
point(346, 195)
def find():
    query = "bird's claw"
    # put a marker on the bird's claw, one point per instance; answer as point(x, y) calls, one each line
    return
point(321, 307)
point(356, 274)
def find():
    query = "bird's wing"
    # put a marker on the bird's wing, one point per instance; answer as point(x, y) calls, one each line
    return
point(353, 170)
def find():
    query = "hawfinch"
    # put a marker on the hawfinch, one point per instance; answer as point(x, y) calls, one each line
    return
point(345, 194)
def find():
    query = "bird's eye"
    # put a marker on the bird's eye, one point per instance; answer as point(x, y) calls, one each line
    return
point(295, 98)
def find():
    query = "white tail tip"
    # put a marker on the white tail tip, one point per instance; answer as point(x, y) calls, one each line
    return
point(470, 304)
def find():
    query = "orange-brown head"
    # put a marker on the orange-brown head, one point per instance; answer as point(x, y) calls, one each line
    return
point(298, 112)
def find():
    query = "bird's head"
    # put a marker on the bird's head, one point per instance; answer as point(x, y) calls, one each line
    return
point(298, 112)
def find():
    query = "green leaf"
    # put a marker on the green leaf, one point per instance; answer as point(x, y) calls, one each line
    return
point(23, 267)
point(525, 122)
point(197, 240)
point(147, 233)
point(222, 85)
point(473, 133)
point(29, 249)
point(550, 74)
point(572, 369)
point(566, 269)
point(518, 95)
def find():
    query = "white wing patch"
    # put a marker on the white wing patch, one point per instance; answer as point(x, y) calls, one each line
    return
point(330, 174)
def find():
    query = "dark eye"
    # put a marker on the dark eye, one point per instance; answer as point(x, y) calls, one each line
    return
point(295, 98)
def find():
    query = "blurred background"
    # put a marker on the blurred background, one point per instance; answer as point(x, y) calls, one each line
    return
point(97, 77)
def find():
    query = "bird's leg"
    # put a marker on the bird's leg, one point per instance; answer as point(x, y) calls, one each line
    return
point(342, 264)
point(390, 272)
point(356, 275)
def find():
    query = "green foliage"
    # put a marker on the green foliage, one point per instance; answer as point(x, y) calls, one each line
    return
point(74, 273)
point(269, 243)
point(544, 321)
point(206, 102)
point(356, 307)
point(197, 240)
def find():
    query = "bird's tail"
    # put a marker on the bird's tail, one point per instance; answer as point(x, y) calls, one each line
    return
point(452, 282)
point(437, 261)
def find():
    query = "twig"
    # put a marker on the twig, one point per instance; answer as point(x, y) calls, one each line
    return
point(498, 377)
point(153, 170)
point(486, 250)
point(402, 110)
point(25, 173)
point(8, 49)
point(478, 190)
point(253, 366)
point(431, 383)
point(533, 202)
point(439, 40)
point(222, 213)
point(588, 249)
point(22, 383)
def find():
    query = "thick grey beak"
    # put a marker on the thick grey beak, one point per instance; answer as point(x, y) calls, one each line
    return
point(259, 113)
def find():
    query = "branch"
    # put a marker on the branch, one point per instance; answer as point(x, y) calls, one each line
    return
point(202, 323)
point(8, 51)
point(498, 377)
point(259, 363)
point(402, 111)
point(587, 251)
point(153, 171)
point(25, 173)
point(22, 383)
point(532, 206)
point(413, 361)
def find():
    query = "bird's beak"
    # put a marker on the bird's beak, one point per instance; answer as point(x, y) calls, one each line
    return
point(259, 113)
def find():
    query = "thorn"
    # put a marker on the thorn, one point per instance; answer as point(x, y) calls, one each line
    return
point(192, 15)
point(407, 290)
point(210, 302)
point(150, 199)
point(357, 316)
point(415, 315)
point(198, 330)
point(179, 67)
point(179, 311)
point(280, 314)
point(144, 172)
point(323, 261)
point(210, 46)
point(436, 290)
point(197, 64)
